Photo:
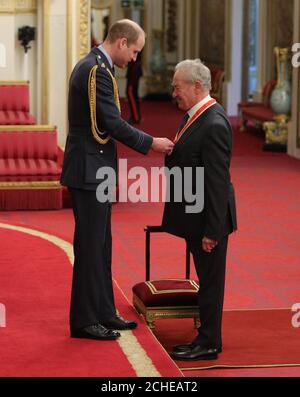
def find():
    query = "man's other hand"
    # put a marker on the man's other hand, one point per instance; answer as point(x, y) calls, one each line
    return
point(162, 145)
point(208, 245)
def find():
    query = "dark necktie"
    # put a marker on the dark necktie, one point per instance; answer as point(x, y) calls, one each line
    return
point(181, 126)
point(183, 121)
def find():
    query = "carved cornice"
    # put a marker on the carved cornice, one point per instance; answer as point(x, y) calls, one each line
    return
point(83, 28)
point(18, 6)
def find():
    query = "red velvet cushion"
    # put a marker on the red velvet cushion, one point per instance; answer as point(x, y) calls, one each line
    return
point(167, 292)
point(14, 97)
point(249, 104)
point(28, 167)
point(260, 113)
point(28, 145)
point(12, 117)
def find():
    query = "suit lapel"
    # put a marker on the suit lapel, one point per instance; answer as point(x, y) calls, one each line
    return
point(194, 128)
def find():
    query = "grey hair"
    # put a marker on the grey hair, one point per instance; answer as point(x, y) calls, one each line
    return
point(195, 70)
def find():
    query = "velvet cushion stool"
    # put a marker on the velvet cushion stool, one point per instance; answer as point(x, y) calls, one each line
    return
point(166, 298)
point(29, 171)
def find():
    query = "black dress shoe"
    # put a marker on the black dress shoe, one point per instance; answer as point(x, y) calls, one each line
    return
point(188, 346)
point(119, 323)
point(196, 352)
point(96, 331)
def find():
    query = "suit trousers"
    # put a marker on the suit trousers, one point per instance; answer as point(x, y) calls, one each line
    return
point(92, 298)
point(210, 268)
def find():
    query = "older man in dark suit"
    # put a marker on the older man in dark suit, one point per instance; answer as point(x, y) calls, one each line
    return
point(94, 125)
point(204, 139)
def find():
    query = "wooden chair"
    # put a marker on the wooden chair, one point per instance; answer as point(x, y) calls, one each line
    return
point(257, 112)
point(166, 298)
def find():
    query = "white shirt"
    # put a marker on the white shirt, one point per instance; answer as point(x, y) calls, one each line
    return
point(106, 54)
point(198, 105)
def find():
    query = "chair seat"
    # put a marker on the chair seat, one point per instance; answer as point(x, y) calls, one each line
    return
point(249, 104)
point(260, 113)
point(167, 292)
point(16, 117)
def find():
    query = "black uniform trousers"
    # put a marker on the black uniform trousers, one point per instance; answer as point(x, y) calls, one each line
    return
point(210, 268)
point(92, 298)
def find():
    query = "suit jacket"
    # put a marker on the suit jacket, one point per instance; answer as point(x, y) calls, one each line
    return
point(83, 154)
point(206, 143)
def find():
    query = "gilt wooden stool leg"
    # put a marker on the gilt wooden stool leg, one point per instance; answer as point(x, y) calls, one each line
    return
point(196, 322)
point(151, 325)
point(150, 320)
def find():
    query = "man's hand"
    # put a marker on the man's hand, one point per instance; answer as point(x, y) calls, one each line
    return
point(162, 145)
point(208, 245)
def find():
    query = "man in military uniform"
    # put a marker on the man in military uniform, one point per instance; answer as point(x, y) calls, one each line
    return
point(94, 125)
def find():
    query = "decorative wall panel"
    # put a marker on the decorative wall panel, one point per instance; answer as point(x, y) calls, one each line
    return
point(83, 28)
point(18, 6)
point(212, 31)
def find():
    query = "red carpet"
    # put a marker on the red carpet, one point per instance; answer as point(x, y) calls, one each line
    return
point(34, 285)
point(251, 338)
point(263, 256)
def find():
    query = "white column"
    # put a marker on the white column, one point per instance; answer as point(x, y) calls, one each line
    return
point(25, 66)
point(233, 87)
point(7, 41)
point(54, 68)
point(2, 56)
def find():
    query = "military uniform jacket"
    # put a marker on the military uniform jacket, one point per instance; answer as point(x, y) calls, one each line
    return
point(83, 154)
point(206, 143)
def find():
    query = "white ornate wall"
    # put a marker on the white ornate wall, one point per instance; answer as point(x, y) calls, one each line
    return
point(63, 37)
point(18, 66)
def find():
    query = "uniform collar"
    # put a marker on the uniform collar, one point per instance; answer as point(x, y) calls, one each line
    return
point(101, 48)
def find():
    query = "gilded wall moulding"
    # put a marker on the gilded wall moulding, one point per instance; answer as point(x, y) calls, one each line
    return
point(83, 28)
point(18, 6)
point(100, 4)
